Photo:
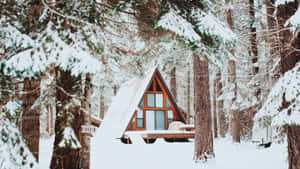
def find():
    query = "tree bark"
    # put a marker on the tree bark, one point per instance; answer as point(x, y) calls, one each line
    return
point(203, 133)
point(67, 85)
point(235, 113)
point(293, 138)
point(102, 104)
point(289, 55)
point(223, 127)
point(173, 83)
point(86, 137)
point(31, 118)
point(188, 97)
point(232, 80)
point(215, 108)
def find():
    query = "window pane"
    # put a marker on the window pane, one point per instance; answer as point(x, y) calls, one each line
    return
point(159, 120)
point(169, 122)
point(140, 114)
point(150, 100)
point(170, 114)
point(159, 99)
point(142, 103)
point(167, 103)
point(140, 123)
point(150, 120)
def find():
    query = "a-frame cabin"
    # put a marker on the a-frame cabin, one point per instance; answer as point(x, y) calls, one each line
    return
point(157, 108)
point(141, 104)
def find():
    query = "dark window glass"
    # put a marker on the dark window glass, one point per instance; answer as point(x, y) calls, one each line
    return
point(158, 88)
point(151, 87)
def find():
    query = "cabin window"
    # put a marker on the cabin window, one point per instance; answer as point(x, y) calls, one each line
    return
point(140, 119)
point(155, 100)
point(159, 120)
point(170, 117)
point(151, 100)
point(142, 103)
point(159, 100)
point(158, 88)
point(167, 103)
point(155, 119)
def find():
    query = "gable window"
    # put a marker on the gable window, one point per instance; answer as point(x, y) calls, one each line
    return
point(155, 100)
point(159, 100)
point(170, 117)
point(150, 100)
point(142, 103)
point(167, 103)
point(140, 119)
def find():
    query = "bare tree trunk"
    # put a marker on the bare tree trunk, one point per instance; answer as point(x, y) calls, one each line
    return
point(215, 108)
point(255, 67)
point(203, 133)
point(293, 138)
point(188, 97)
point(220, 105)
point(31, 118)
point(173, 83)
point(290, 55)
point(102, 110)
point(235, 113)
point(67, 86)
point(232, 79)
point(86, 137)
point(273, 38)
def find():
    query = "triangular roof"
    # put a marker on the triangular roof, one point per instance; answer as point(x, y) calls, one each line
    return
point(126, 102)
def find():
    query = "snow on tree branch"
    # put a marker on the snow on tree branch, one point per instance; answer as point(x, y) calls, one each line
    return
point(283, 102)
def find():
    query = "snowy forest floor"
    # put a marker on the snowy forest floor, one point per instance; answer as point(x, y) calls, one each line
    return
point(164, 155)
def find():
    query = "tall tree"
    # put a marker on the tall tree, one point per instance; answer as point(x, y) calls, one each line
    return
point(223, 126)
point(232, 80)
point(203, 133)
point(173, 82)
point(289, 56)
point(31, 117)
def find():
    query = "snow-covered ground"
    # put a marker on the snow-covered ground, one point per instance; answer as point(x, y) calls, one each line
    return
point(163, 155)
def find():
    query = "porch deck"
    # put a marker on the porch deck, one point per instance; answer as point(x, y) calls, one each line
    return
point(155, 134)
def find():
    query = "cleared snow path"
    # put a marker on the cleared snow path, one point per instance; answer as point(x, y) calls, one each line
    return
point(162, 155)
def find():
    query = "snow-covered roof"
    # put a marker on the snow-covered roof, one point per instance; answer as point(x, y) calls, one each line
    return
point(124, 106)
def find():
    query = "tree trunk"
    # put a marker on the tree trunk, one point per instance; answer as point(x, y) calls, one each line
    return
point(31, 118)
point(289, 57)
point(220, 105)
point(188, 98)
point(215, 108)
point(293, 138)
point(67, 86)
point(102, 110)
point(173, 83)
point(203, 133)
point(232, 80)
point(235, 113)
point(86, 137)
